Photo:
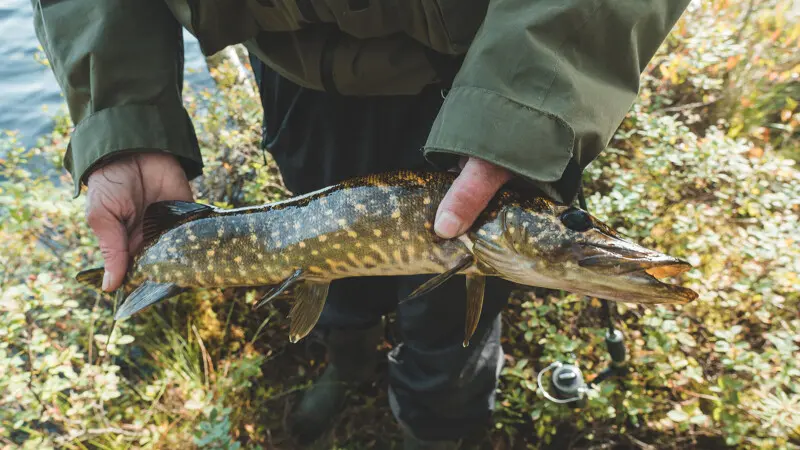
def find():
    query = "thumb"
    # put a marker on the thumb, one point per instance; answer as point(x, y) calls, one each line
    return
point(113, 239)
point(471, 191)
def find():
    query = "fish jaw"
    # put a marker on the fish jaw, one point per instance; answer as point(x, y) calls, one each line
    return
point(625, 271)
point(531, 245)
point(641, 286)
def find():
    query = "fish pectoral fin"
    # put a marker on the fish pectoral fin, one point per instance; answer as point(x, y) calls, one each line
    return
point(290, 280)
point(476, 285)
point(436, 281)
point(145, 295)
point(309, 300)
point(91, 277)
point(161, 216)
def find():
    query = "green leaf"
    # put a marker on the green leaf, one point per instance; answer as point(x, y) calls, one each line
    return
point(686, 339)
point(125, 339)
point(677, 415)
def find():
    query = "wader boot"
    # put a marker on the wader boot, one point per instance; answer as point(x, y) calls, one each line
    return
point(352, 359)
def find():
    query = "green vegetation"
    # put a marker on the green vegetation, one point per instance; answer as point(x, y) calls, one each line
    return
point(701, 168)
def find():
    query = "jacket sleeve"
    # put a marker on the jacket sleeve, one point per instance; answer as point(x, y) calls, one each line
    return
point(119, 64)
point(546, 83)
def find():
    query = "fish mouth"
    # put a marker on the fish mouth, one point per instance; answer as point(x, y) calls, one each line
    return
point(652, 276)
point(636, 272)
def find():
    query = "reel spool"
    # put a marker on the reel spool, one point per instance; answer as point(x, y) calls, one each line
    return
point(568, 382)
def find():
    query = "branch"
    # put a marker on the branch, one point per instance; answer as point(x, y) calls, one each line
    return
point(30, 361)
point(99, 431)
point(230, 54)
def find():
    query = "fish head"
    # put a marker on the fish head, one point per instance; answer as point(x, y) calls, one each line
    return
point(540, 243)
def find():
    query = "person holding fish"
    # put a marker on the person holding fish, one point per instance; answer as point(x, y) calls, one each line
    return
point(506, 92)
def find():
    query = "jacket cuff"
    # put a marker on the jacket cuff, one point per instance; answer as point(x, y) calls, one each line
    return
point(125, 129)
point(528, 142)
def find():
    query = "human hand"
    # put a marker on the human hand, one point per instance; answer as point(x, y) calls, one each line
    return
point(468, 196)
point(117, 196)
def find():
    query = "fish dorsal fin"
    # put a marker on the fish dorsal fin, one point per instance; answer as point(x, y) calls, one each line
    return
point(161, 216)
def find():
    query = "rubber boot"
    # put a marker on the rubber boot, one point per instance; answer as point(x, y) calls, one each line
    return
point(352, 359)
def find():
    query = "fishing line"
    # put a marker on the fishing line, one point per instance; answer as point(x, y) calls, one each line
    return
point(567, 379)
point(605, 306)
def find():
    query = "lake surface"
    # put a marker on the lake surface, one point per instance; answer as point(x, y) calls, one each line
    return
point(29, 94)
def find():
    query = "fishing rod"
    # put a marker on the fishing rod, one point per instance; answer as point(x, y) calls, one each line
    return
point(567, 379)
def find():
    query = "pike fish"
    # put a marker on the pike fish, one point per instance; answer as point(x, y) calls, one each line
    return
point(382, 225)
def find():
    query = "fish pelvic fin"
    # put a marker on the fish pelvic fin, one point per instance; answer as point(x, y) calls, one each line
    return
point(476, 285)
point(437, 281)
point(162, 216)
point(91, 277)
point(310, 298)
point(145, 295)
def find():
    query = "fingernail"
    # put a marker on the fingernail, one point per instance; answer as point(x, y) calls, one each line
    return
point(106, 280)
point(447, 225)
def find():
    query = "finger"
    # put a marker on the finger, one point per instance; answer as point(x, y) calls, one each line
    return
point(175, 188)
point(113, 239)
point(468, 196)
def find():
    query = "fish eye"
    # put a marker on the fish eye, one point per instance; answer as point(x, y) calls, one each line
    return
point(576, 219)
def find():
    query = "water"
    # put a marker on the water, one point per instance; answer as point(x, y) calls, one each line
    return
point(29, 94)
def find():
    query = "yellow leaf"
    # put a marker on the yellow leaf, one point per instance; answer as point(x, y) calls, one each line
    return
point(658, 231)
point(756, 152)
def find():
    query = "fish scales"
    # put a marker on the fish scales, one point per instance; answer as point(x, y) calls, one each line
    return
point(375, 227)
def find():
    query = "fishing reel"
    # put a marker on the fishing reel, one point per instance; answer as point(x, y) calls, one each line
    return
point(568, 382)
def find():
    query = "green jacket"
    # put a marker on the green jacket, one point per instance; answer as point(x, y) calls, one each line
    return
point(543, 86)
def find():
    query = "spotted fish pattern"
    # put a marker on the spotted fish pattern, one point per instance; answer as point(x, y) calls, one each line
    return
point(383, 225)
point(377, 226)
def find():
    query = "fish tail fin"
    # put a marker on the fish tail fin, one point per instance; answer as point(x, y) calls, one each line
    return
point(146, 294)
point(92, 277)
